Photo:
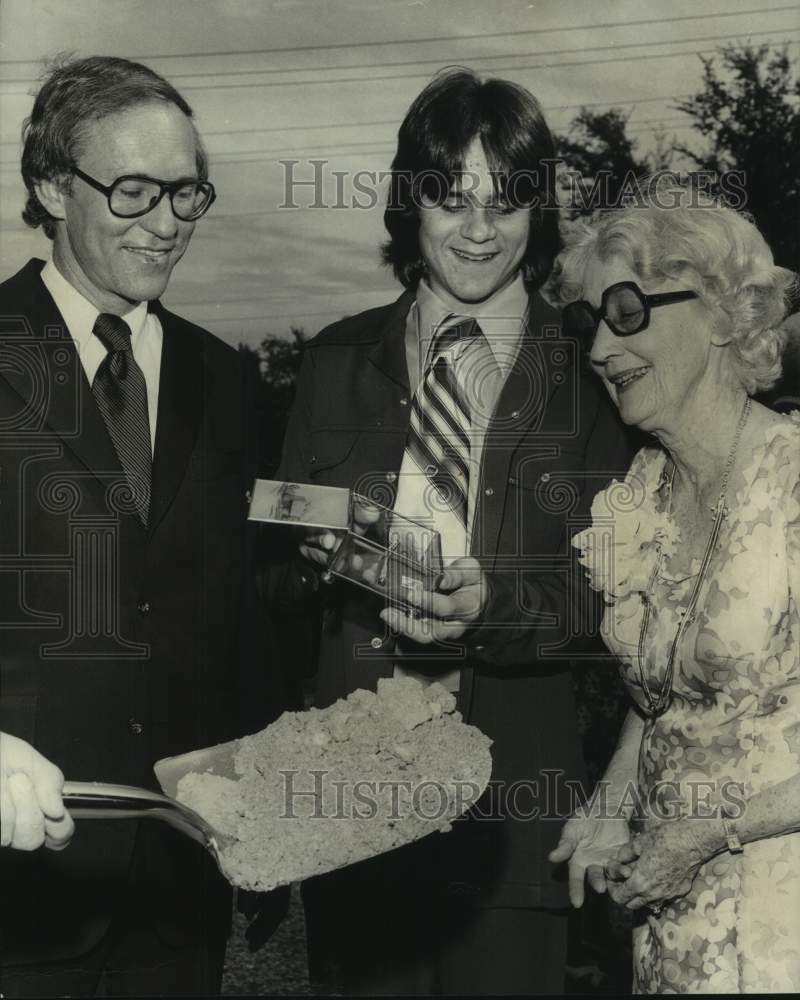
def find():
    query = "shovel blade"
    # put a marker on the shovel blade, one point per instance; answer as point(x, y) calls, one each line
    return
point(218, 759)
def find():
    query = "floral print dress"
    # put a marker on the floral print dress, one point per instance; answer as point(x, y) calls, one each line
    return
point(733, 725)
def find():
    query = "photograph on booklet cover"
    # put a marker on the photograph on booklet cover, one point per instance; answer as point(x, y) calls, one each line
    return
point(300, 503)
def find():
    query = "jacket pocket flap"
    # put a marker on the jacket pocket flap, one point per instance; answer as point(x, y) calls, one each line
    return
point(330, 447)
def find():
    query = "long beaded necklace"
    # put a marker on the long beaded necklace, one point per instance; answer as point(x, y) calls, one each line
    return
point(657, 705)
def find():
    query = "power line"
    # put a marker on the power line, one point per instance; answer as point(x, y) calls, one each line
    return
point(617, 102)
point(441, 61)
point(295, 316)
point(373, 146)
point(356, 146)
point(260, 157)
point(239, 301)
point(295, 128)
point(351, 147)
point(611, 102)
point(483, 36)
point(495, 69)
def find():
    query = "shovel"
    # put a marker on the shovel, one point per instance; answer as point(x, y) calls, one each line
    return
point(97, 800)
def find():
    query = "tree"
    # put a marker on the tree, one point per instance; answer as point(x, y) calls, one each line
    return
point(277, 361)
point(749, 112)
point(597, 144)
point(600, 167)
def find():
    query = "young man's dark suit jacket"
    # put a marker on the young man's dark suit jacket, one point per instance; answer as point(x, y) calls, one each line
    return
point(120, 645)
point(554, 443)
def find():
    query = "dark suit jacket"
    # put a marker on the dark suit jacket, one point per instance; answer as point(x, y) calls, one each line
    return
point(120, 645)
point(553, 444)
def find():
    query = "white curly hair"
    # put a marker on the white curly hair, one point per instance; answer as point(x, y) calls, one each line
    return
point(677, 232)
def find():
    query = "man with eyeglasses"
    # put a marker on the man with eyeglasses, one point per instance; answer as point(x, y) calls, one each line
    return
point(124, 587)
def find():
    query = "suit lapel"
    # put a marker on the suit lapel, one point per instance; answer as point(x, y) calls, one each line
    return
point(535, 375)
point(182, 383)
point(526, 407)
point(43, 367)
point(388, 353)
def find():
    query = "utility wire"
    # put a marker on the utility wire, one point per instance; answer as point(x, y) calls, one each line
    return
point(495, 69)
point(444, 61)
point(450, 38)
point(611, 102)
point(367, 147)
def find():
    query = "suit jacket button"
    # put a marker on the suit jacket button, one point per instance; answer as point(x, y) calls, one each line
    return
point(143, 608)
point(545, 477)
point(404, 401)
point(489, 491)
point(135, 728)
point(376, 642)
point(391, 477)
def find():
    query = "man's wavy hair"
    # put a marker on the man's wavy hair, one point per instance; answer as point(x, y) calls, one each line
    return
point(678, 232)
point(75, 93)
point(454, 109)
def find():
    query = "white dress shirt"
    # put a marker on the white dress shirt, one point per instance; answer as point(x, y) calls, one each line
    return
point(501, 319)
point(79, 314)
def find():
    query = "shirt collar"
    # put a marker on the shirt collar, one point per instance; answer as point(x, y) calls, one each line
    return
point(78, 312)
point(500, 316)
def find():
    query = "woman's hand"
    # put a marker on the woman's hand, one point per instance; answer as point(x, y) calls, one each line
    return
point(657, 865)
point(588, 843)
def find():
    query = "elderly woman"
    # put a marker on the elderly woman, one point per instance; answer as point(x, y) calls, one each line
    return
point(677, 302)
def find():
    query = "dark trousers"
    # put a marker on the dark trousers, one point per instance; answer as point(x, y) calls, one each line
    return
point(167, 935)
point(370, 934)
point(130, 962)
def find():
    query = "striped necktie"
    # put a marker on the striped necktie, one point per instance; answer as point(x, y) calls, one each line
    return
point(439, 429)
point(121, 394)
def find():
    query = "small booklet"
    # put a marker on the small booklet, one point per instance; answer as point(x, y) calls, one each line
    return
point(391, 555)
point(300, 503)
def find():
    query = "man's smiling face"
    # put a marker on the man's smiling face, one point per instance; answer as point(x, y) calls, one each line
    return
point(118, 262)
point(473, 242)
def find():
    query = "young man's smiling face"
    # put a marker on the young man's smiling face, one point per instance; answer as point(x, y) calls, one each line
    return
point(472, 243)
point(116, 262)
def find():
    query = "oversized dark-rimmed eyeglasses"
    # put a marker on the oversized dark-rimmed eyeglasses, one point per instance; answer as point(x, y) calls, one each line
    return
point(133, 195)
point(624, 307)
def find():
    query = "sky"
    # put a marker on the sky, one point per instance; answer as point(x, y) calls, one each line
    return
point(330, 81)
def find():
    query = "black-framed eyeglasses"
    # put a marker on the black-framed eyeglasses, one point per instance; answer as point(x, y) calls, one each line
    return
point(133, 195)
point(624, 307)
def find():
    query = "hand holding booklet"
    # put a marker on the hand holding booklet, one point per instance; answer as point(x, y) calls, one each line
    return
point(391, 555)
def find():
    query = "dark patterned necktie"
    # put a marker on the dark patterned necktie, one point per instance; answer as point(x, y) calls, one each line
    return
point(439, 429)
point(121, 393)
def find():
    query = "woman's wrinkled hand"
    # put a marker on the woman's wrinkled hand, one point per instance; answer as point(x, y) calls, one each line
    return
point(657, 865)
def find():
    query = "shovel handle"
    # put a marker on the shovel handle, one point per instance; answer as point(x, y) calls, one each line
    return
point(97, 800)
